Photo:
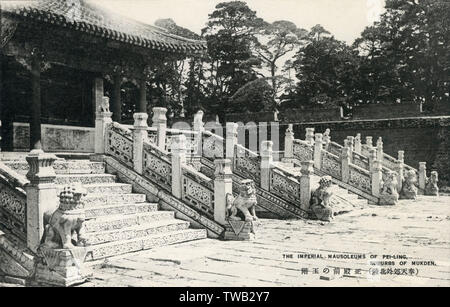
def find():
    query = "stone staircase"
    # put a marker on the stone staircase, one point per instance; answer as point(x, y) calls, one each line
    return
point(118, 221)
point(347, 200)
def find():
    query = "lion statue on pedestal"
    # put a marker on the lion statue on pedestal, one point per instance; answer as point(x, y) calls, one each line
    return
point(64, 227)
point(245, 203)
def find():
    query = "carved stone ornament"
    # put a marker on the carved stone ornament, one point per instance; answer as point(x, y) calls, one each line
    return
point(241, 213)
point(104, 108)
point(64, 228)
point(409, 188)
point(320, 200)
point(432, 187)
point(389, 195)
point(63, 248)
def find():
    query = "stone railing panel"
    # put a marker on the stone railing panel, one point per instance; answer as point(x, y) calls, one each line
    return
point(389, 162)
point(360, 178)
point(302, 150)
point(331, 164)
point(13, 201)
point(198, 191)
point(213, 146)
point(247, 164)
point(284, 185)
point(361, 161)
point(157, 166)
point(335, 148)
point(119, 143)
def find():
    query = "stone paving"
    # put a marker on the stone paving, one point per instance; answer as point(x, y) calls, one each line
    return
point(419, 230)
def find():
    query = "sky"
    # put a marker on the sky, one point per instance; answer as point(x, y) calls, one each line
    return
point(345, 19)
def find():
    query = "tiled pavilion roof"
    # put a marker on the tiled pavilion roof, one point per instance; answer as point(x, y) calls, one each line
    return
point(85, 16)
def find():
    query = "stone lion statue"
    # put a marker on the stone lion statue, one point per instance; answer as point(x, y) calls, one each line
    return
point(409, 189)
point(320, 200)
point(389, 194)
point(245, 202)
point(64, 227)
point(431, 187)
point(104, 108)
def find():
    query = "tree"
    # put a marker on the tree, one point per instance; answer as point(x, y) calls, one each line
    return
point(255, 96)
point(325, 69)
point(230, 33)
point(275, 41)
point(411, 44)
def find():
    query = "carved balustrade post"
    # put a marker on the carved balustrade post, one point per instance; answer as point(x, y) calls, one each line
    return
point(345, 162)
point(351, 145)
point(326, 139)
point(369, 141)
point(102, 120)
point(372, 157)
point(358, 143)
point(289, 142)
point(231, 140)
point(309, 136)
point(159, 121)
point(307, 169)
point(223, 185)
point(318, 147)
point(400, 170)
point(199, 127)
point(377, 178)
point(422, 175)
point(380, 153)
point(367, 147)
point(140, 135)
point(266, 163)
point(178, 154)
point(41, 194)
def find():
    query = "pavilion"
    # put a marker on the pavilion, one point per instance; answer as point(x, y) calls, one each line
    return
point(55, 56)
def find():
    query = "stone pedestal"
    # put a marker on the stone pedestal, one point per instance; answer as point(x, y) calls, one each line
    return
point(309, 136)
point(305, 183)
point(102, 120)
point(358, 143)
point(140, 135)
point(61, 267)
point(376, 177)
point(199, 127)
point(231, 140)
point(318, 147)
point(345, 162)
point(178, 150)
point(223, 186)
point(41, 194)
point(289, 142)
point(266, 164)
point(240, 230)
point(159, 121)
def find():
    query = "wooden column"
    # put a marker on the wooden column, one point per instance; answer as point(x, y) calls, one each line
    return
point(116, 99)
point(35, 118)
point(142, 107)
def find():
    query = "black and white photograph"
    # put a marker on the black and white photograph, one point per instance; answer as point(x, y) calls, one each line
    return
point(216, 147)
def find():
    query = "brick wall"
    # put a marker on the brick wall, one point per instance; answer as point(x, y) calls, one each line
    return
point(379, 111)
point(319, 114)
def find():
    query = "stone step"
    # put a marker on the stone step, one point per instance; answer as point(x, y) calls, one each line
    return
point(134, 232)
point(124, 209)
point(119, 221)
point(104, 188)
point(62, 166)
point(122, 247)
point(85, 179)
point(97, 200)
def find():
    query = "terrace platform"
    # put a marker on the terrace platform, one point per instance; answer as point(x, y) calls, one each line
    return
point(418, 230)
